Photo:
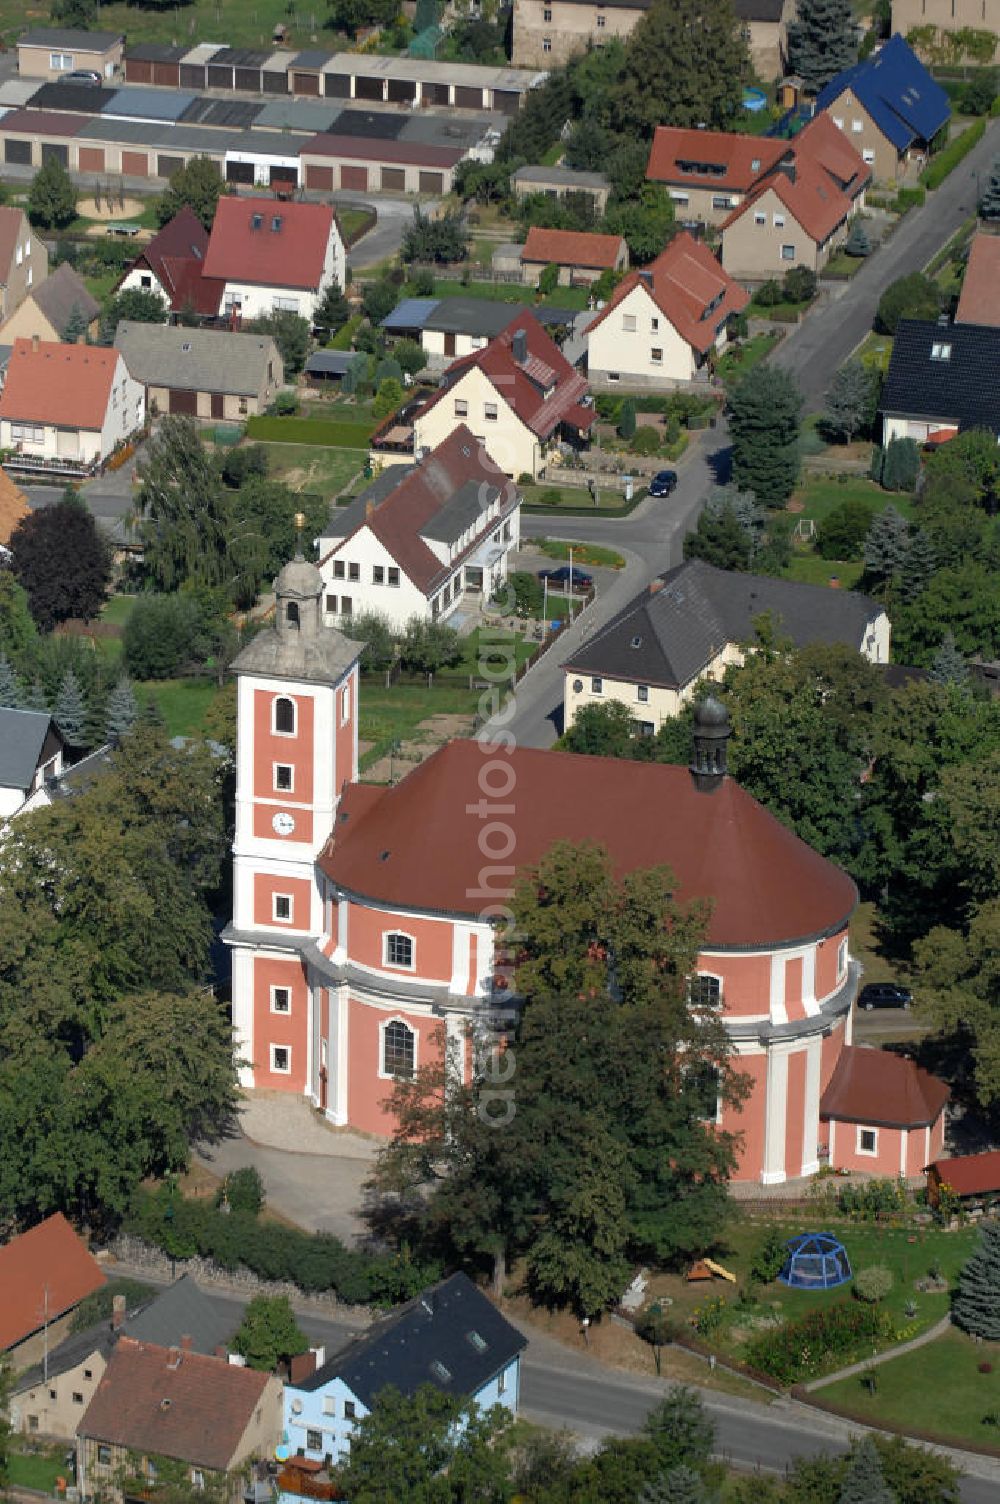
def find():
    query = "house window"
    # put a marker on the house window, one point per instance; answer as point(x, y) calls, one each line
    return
point(602, 21)
point(331, 605)
point(350, 1409)
point(490, 412)
point(642, 692)
point(614, 376)
point(705, 991)
point(646, 728)
point(838, 121)
point(399, 950)
point(329, 1405)
point(940, 352)
point(61, 62)
point(145, 280)
point(857, 126)
point(104, 1455)
point(281, 1000)
point(378, 574)
point(32, 1422)
point(868, 156)
point(628, 323)
point(398, 1049)
point(461, 408)
point(656, 356)
point(281, 1059)
point(779, 221)
point(244, 407)
point(281, 908)
point(392, 576)
point(597, 686)
point(502, 1381)
point(88, 1373)
point(842, 958)
point(788, 253)
point(77, 1397)
point(547, 13)
point(314, 1441)
point(197, 1479)
point(284, 716)
point(654, 326)
point(867, 1141)
point(19, 255)
point(346, 605)
point(150, 1470)
point(354, 571)
point(546, 44)
point(721, 201)
point(760, 219)
point(338, 569)
point(283, 777)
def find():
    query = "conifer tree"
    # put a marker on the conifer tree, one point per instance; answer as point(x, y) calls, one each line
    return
point(10, 688)
point(764, 412)
point(122, 711)
point(976, 1303)
point(949, 666)
point(681, 1485)
point(822, 41)
point(36, 698)
point(887, 545)
point(76, 325)
point(70, 713)
point(864, 1481)
point(921, 562)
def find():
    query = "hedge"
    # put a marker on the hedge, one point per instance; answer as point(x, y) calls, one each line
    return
point(344, 337)
point(325, 431)
point(940, 165)
point(315, 1262)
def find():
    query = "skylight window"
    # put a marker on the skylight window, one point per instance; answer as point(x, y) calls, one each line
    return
point(478, 1341)
point(940, 351)
point(442, 1374)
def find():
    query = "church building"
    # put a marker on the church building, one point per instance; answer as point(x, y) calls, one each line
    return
point(364, 918)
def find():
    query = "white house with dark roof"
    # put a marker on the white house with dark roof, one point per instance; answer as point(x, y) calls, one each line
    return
point(31, 751)
point(450, 1336)
point(691, 623)
point(422, 537)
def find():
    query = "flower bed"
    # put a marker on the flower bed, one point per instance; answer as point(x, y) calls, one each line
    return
point(802, 1349)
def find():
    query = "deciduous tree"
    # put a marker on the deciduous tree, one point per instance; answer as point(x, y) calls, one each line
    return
point(685, 62)
point(51, 197)
point(62, 562)
point(269, 1333)
point(291, 334)
point(914, 296)
point(198, 185)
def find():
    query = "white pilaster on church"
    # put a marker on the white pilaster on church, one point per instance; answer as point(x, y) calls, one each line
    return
point(242, 1013)
point(336, 1106)
point(810, 1119)
point(777, 1108)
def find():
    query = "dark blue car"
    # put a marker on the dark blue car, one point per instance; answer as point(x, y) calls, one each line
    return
point(663, 483)
point(581, 580)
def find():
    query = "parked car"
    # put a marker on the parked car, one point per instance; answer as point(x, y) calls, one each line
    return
point(86, 76)
point(884, 995)
point(561, 577)
point(664, 482)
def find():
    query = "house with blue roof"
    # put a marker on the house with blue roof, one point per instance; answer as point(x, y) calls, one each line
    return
point(889, 107)
point(450, 1336)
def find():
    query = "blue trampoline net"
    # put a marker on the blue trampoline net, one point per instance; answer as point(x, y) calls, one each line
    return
point(816, 1261)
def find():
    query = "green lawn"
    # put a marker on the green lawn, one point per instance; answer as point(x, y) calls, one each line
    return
point(745, 355)
point(810, 569)
point(936, 1389)
point(876, 350)
point(309, 467)
point(504, 292)
point(583, 553)
point(118, 610)
point(353, 224)
point(577, 498)
point(841, 265)
point(232, 21)
point(392, 715)
point(183, 703)
point(99, 284)
point(821, 494)
point(38, 1469)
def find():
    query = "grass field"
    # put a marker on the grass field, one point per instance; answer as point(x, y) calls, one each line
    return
point(743, 357)
point(577, 498)
point(38, 1469)
point(240, 23)
point(810, 569)
point(936, 1389)
point(352, 223)
point(392, 715)
point(821, 494)
point(183, 703)
point(583, 553)
point(504, 292)
point(309, 467)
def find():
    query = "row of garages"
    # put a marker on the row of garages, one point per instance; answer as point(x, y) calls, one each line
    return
point(316, 74)
point(321, 163)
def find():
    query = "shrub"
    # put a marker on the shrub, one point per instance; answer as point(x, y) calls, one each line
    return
point(875, 1198)
point(285, 404)
point(900, 465)
point(164, 634)
point(240, 464)
point(799, 285)
point(626, 419)
point(526, 591)
point(549, 280)
point(944, 161)
point(805, 1347)
point(769, 1260)
point(842, 532)
point(911, 297)
point(873, 1284)
point(242, 1191)
point(910, 198)
point(646, 440)
point(769, 293)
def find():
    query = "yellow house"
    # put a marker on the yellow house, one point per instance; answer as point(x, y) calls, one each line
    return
point(49, 308)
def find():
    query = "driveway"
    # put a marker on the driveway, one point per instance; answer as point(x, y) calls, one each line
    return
point(813, 352)
point(651, 540)
point(384, 240)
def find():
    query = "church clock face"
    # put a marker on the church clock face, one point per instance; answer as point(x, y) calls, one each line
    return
point(283, 823)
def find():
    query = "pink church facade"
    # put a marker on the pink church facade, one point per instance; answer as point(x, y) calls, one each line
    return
point(364, 919)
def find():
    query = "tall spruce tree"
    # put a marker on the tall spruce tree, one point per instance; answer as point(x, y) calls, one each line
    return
point(11, 695)
point(70, 713)
point(921, 561)
point(764, 412)
point(949, 666)
point(887, 545)
point(122, 711)
point(36, 698)
point(681, 1485)
point(822, 41)
point(851, 401)
point(975, 1306)
point(864, 1481)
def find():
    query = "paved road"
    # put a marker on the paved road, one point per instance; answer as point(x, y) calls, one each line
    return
point(650, 540)
point(815, 349)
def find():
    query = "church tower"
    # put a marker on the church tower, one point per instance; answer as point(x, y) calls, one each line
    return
point(297, 746)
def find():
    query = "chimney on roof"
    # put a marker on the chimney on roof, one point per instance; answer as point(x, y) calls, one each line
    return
point(35, 344)
point(117, 1312)
point(186, 1342)
point(174, 1358)
point(369, 508)
point(788, 168)
point(711, 739)
point(519, 346)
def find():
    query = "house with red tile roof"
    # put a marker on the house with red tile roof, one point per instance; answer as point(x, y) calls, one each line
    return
point(580, 256)
point(979, 299)
point(422, 537)
point(884, 1114)
point(272, 257)
point(173, 266)
point(519, 396)
point(44, 1274)
point(365, 929)
point(66, 408)
point(170, 1404)
point(663, 323)
point(708, 174)
point(800, 211)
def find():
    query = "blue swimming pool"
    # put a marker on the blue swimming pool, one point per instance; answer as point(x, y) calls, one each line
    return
point(754, 100)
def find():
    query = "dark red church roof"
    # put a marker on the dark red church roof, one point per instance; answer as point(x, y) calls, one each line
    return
point(883, 1089)
point(414, 846)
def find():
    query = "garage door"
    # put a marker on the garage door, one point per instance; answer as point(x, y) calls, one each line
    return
point(167, 166)
point(91, 158)
point(192, 75)
point(468, 99)
point(306, 83)
point(506, 101)
point(218, 402)
point(431, 182)
point(168, 75)
point(402, 90)
point(220, 76)
point(434, 93)
point(393, 180)
point(239, 172)
point(184, 402)
point(320, 178)
point(337, 85)
point(354, 177)
point(138, 71)
point(17, 151)
point(368, 88)
point(247, 79)
point(283, 177)
point(135, 164)
point(274, 83)
point(53, 152)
